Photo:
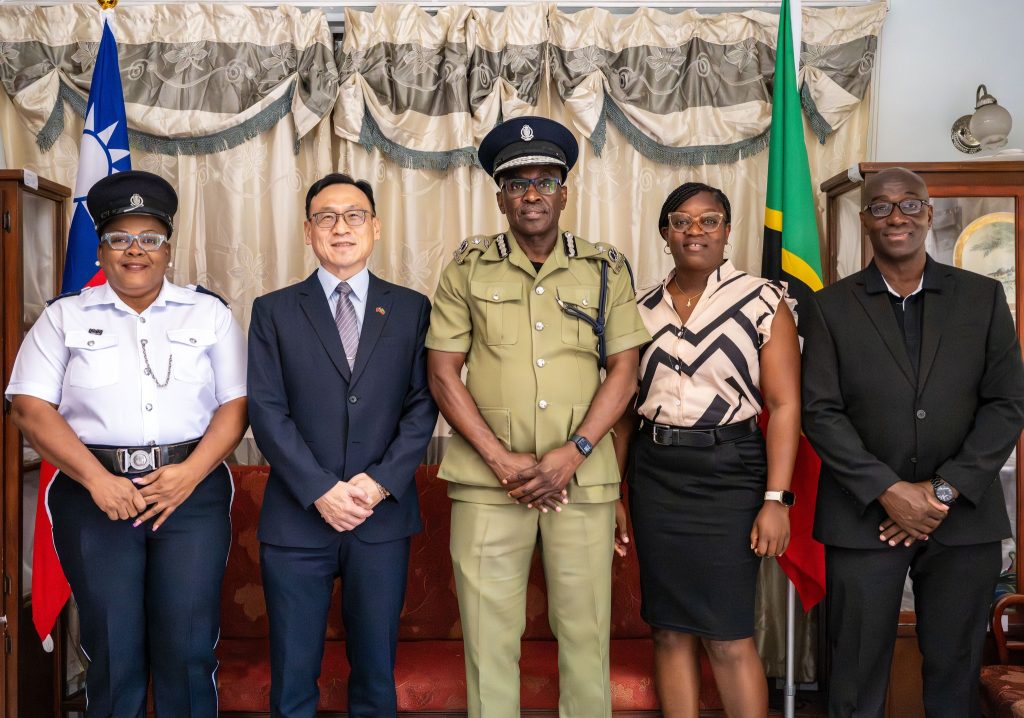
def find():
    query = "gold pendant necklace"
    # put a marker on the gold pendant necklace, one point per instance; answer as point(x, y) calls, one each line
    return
point(689, 300)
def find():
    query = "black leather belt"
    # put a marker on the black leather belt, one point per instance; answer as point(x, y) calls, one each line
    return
point(133, 460)
point(666, 435)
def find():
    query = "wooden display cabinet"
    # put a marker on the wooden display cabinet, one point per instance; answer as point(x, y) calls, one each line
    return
point(33, 230)
point(977, 225)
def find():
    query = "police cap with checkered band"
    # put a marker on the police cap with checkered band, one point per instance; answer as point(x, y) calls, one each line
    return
point(132, 192)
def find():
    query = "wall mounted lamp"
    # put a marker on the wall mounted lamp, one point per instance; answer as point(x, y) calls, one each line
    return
point(986, 129)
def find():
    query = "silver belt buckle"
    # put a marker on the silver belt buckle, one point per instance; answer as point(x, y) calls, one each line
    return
point(137, 461)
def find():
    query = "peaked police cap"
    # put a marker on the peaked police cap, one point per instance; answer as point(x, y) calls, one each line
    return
point(132, 192)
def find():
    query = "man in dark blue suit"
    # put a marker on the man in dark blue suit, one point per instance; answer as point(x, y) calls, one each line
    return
point(341, 410)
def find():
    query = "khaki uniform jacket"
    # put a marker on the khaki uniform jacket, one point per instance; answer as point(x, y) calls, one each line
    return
point(531, 368)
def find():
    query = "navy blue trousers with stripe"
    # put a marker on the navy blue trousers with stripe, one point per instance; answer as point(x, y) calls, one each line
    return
point(148, 601)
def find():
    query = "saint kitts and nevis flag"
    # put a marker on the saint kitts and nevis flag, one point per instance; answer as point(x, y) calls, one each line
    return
point(103, 151)
point(791, 254)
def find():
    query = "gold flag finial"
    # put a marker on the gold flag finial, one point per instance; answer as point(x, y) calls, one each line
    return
point(107, 4)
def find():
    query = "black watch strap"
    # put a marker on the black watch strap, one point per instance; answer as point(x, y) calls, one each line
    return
point(583, 444)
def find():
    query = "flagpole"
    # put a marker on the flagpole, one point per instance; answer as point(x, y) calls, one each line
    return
point(789, 705)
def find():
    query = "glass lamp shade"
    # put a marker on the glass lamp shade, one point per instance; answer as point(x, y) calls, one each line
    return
point(991, 123)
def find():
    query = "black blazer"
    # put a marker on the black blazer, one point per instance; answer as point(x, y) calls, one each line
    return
point(873, 422)
point(317, 423)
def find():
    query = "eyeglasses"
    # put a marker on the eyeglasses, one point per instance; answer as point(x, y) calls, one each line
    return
point(121, 241)
point(909, 207)
point(352, 217)
point(518, 187)
point(708, 222)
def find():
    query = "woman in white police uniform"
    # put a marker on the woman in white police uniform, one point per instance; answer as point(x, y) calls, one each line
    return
point(135, 390)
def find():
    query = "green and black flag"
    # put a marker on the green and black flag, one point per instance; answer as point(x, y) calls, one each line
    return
point(791, 252)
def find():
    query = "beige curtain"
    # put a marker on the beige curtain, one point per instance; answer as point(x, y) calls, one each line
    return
point(243, 108)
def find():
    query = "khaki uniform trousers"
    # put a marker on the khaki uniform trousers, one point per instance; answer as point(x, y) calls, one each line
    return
point(492, 547)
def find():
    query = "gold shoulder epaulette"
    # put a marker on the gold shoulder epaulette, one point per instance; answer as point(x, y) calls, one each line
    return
point(478, 243)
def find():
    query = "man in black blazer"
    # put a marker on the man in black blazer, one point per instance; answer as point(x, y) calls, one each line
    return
point(343, 415)
point(913, 396)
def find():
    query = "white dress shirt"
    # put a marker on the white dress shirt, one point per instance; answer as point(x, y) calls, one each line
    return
point(85, 354)
point(360, 283)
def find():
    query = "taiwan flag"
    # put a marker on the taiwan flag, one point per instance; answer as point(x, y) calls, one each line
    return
point(104, 151)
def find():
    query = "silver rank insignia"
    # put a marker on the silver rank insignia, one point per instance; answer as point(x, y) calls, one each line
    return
point(503, 250)
point(570, 244)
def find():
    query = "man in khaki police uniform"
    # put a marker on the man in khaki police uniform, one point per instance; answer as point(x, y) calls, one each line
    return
point(529, 457)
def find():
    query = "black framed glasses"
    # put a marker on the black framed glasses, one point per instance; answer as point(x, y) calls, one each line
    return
point(121, 241)
point(518, 186)
point(909, 207)
point(707, 222)
point(352, 217)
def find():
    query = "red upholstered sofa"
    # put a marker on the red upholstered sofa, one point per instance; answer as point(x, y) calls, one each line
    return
point(430, 674)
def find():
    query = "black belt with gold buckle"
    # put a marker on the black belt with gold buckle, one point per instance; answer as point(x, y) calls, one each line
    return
point(133, 460)
point(666, 435)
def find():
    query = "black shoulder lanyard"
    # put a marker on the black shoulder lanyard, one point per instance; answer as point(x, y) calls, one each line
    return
point(596, 324)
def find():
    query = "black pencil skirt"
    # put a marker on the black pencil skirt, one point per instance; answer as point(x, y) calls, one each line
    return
point(692, 509)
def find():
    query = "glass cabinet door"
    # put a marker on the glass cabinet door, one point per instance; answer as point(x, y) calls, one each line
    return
point(34, 222)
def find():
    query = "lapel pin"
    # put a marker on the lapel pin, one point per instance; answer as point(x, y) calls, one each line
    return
point(380, 311)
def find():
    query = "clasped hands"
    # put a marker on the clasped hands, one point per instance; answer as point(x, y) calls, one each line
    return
point(349, 503)
point(913, 513)
point(540, 484)
point(157, 493)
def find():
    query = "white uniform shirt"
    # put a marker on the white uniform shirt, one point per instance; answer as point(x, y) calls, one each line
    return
point(85, 355)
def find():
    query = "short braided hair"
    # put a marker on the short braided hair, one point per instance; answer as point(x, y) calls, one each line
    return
point(687, 190)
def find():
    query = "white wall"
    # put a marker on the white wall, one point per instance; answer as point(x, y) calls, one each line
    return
point(933, 56)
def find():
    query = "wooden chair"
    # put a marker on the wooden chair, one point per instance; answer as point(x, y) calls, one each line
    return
point(1002, 686)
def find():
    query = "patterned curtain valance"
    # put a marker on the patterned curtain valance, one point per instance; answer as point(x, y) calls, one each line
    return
point(425, 89)
point(196, 78)
point(685, 89)
point(696, 89)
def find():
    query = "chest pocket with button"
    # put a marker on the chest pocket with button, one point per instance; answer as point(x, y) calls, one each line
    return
point(190, 349)
point(586, 299)
point(501, 303)
point(94, 360)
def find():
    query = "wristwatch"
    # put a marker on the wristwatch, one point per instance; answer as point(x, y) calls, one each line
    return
point(583, 444)
point(786, 498)
point(943, 491)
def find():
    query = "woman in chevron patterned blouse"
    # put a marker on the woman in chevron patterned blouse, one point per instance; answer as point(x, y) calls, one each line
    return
point(707, 500)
